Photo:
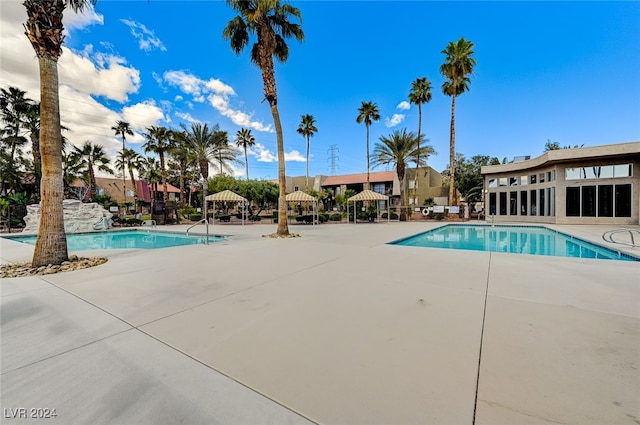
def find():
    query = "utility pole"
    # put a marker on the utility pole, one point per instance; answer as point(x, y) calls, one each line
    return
point(333, 157)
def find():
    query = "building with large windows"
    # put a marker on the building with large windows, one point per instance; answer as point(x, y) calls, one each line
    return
point(591, 185)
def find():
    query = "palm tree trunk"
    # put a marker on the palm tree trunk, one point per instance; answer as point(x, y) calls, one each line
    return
point(283, 227)
point(37, 162)
point(165, 192)
point(246, 161)
point(415, 178)
point(452, 153)
point(51, 244)
point(401, 171)
point(366, 188)
point(307, 180)
point(92, 182)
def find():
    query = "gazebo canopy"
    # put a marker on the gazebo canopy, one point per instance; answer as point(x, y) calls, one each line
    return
point(226, 196)
point(368, 195)
point(299, 196)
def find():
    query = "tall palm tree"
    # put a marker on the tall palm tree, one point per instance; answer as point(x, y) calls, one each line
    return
point(457, 67)
point(159, 141)
point(91, 157)
point(32, 125)
point(123, 128)
point(245, 139)
point(400, 149)
point(224, 153)
point(45, 31)
point(307, 129)
point(368, 113)
point(420, 93)
point(149, 171)
point(13, 112)
point(269, 21)
point(131, 160)
point(181, 154)
point(200, 141)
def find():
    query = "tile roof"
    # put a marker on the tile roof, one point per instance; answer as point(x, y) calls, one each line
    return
point(376, 177)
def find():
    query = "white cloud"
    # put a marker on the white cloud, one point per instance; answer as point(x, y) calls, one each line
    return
point(394, 120)
point(217, 93)
point(404, 106)
point(98, 74)
point(187, 117)
point(147, 39)
point(143, 115)
point(294, 156)
point(83, 19)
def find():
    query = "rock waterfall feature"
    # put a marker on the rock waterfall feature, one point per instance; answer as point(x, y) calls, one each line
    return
point(78, 217)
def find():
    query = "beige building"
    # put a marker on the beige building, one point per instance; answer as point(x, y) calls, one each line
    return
point(591, 185)
point(384, 182)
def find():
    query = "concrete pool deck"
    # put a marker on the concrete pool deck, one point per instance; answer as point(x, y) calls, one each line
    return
point(335, 327)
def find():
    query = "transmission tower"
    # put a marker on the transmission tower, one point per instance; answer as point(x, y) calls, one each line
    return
point(333, 157)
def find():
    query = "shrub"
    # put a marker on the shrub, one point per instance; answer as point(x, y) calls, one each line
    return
point(323, 218)
point(195, 217)
point(394, 216)
point(255, 218)
point(335, 217)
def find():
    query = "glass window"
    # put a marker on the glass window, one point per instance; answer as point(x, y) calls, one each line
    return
point(513, 181)
point(623, 170)
point(492, 203)
point(553, 176)
point(552, 201)
point(605, 200)
point(523, 180)
point(590, 172)
point(513, 203)
point(588, 201)
point(541, 202)
point(99, 191)
point(411, 183)
point(571, 173)
point(606, 172)
point(129, 192)
point(493, 183)
point(533, 202)
point(503, 181)
point(503, 203)
point(623, 200)
point(533, 179)
point(523, 202)
point(541, 178)
point(573, 202)
point(296, 188)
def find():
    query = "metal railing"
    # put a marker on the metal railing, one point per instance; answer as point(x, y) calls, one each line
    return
point(608, 237)
point(206, 225)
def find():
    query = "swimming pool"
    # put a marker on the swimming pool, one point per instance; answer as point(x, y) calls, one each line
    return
point(534, 240)
point(128, 239)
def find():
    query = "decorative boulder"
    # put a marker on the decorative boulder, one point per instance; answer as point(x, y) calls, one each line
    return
point(78, 217)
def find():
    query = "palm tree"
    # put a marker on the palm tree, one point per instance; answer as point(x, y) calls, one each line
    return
point(123, 128)
point(457, 67)
point(245, 139)
point(91, 157)
point(149, 171)
point(307, 129)
point(130, 159)
point(224, 153)
point(13, 112)
point(367, 113)
point(269, 21)
point(32, 125)
point(159, 141)
point(200, 141)
point(400, 149)
point(45, 31)
point(181, 154)
point(420, 93)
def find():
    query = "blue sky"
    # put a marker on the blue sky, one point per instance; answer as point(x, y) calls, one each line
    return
point(564, 71)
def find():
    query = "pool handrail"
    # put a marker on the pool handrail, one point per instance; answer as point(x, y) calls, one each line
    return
point(206, 225)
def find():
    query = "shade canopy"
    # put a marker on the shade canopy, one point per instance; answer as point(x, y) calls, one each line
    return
point(226, 196)
point(369, 195)
point(299, 196)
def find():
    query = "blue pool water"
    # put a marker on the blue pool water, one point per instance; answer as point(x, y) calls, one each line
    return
point(512, 239)
point(130, 239)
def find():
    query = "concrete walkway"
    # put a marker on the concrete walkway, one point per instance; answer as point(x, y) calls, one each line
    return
point(335, 327)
